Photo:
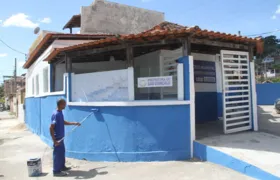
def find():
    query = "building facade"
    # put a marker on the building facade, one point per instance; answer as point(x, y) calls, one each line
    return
point(146, 93)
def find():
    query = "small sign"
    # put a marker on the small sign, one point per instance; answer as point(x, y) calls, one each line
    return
point(161, 81)
point(268, 60)
point(204, 72)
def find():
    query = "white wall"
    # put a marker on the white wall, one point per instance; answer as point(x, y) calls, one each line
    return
point(219, 74)
point(98, 66)
point(59, 71)
point(79, 68)
point(36, 69)
point(147, 65)
point(20, 113)
point(150, 60)
point(38, 66)
point(100, 86)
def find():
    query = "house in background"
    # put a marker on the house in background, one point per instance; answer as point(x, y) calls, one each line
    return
point(113, 18)
point(11, 91)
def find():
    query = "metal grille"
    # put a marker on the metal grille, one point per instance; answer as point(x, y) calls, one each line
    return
point(236, 91)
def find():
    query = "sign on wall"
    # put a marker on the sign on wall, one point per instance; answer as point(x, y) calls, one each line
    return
point(100, 86)
point(204, 72)
point(161, 81)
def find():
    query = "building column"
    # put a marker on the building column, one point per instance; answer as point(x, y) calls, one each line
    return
point(189, 91)
point(186, 46)
point(52, 77)
point(129, 56)
point(68, 63)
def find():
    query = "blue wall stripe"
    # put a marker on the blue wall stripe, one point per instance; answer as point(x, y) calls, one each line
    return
point(206, 153)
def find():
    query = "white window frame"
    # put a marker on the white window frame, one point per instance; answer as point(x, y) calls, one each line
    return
point(45, 80)
point(37, 85)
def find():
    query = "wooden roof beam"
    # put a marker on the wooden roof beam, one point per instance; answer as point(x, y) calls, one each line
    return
point(219, 44)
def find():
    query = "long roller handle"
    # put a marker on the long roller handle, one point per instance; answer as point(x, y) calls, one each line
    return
point(94, 110)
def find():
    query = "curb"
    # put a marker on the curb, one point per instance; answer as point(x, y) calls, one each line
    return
point(207, 153)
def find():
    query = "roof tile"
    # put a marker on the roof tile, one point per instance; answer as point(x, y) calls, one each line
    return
point(163, 30)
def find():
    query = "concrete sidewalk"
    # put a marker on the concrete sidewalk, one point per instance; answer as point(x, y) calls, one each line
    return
point(17, 145)
point(269, 120)
point(6, 115)
point(256, 148)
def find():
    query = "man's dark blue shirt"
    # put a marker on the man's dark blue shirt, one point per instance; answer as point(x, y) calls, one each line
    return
point(58, 121)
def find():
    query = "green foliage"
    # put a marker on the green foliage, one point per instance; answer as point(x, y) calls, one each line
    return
point(276, 80)
point(271, 45)
point(276, 66)
point(2, 99)
point(12, 113)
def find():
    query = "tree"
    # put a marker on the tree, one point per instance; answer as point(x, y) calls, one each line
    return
point(2, 98)
point(271, 48)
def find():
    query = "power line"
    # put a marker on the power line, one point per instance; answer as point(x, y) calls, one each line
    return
point(264, 33)
point(12, 48)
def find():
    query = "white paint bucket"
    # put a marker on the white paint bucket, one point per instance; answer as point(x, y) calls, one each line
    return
point(34, 167)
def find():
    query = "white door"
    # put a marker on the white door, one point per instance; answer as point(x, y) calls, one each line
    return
point(237, 113)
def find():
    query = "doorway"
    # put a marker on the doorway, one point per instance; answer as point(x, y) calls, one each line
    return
point(223, 93)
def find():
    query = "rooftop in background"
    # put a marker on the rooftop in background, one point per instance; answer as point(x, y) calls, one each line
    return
point(74, 22)
point(103, 16)
point(46, 39)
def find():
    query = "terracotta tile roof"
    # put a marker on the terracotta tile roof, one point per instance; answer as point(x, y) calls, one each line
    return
point(165, 30)
point(74, 22)
point(51, 37)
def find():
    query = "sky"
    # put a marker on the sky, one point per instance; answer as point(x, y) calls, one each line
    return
point(18, 19)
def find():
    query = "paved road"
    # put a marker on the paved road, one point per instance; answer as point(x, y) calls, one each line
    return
point(5, 115)
point(17, 145)
point(269, 121)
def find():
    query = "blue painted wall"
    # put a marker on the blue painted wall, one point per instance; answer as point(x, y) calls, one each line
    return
point(220, 104)
point(206, 103)
point(267, 93)
point(33, 114)
point(206, 106)
point(154, 133)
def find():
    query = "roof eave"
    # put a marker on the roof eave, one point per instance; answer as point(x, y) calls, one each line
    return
point(73, 18)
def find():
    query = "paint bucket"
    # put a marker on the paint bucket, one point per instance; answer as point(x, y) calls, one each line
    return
point(34, 167)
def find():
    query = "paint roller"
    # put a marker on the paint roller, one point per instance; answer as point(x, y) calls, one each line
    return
point(93, 111)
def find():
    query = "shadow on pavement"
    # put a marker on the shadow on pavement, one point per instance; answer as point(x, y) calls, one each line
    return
point(269, 122)
point(43, 174)
point(269, 141)
point(79, 174)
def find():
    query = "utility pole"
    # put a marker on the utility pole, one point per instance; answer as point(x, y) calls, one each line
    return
point(15, 90)
point(15, 77)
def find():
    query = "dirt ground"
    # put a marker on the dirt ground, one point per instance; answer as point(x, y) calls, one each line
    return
point(17, 145)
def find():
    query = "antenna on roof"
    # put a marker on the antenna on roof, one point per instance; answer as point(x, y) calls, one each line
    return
point(36, 30)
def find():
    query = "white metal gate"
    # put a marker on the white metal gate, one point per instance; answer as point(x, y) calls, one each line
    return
point(236, 91)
